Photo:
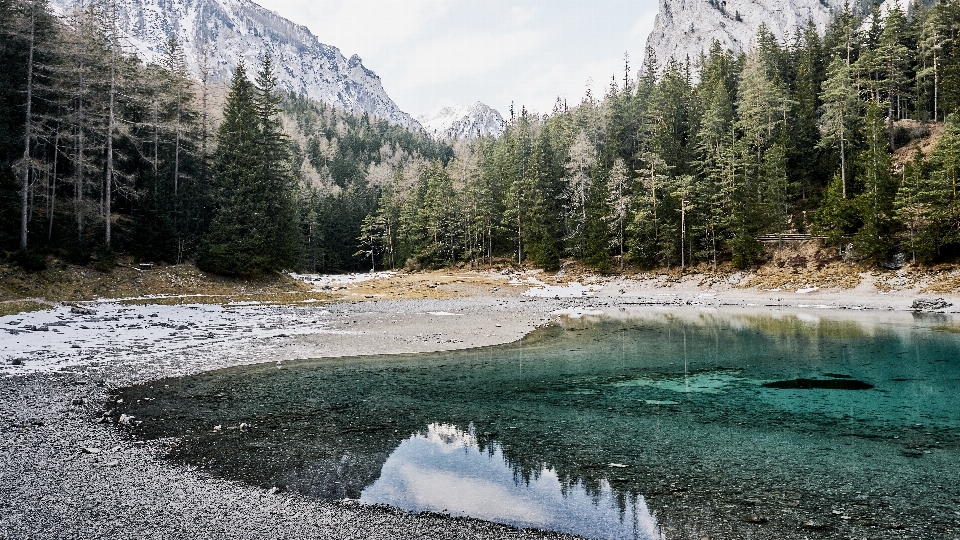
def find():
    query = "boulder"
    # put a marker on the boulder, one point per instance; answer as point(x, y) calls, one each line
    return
point(927, 304)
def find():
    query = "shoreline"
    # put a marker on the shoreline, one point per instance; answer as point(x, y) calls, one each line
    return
point(119, 488)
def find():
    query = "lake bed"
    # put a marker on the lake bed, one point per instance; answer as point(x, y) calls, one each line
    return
point(650, 422)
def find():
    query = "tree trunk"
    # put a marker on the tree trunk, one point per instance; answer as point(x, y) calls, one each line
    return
point(519, 235)
point(936, 86)
point(843, 161)
point(890, 118)
point(683, 233)
point(108, 188)
point(78, 187)
point(28, 131)
point(53, 187)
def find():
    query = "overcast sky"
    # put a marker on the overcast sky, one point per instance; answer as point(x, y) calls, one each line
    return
point(430, 53)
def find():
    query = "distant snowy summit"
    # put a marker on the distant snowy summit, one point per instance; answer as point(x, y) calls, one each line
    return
point(685, 28)
point(234, 30)
point(462, 122)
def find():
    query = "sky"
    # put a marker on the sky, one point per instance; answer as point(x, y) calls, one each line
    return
point(431, 53)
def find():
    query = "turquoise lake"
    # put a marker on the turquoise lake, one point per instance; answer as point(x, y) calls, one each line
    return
point(644, 424)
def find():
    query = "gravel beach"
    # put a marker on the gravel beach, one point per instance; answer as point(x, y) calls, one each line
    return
point(64, 474)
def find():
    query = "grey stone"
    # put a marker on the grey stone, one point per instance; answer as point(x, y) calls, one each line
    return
point(926, 304)
point(895, 262)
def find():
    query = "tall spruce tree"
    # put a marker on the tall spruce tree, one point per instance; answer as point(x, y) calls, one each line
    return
point(254, 229)
point(875, 202)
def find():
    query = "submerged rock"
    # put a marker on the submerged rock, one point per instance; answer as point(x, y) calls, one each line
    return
point(825, 384)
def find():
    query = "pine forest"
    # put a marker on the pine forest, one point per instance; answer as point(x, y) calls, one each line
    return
point(850, 135)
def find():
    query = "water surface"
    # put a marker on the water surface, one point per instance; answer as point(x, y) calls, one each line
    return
point(657, 423)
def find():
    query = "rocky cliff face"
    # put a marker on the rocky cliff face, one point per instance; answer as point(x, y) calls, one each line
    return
point(462, 122)
point(234, 30)
point(685, 28)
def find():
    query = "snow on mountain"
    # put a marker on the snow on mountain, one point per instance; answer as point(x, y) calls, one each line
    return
point(235, 30)
point(685, 28)
point(462, 121)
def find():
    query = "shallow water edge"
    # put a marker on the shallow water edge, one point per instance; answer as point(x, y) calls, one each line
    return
point(675, 396)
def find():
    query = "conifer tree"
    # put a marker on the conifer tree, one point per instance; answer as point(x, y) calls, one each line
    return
point(579, 168)
point(761, 110)
point(875, 202)
point(253, 231)
point(912, 210)
point(233, 245)
point(934, 40)
point(275, 177)
point(618, 203)
point(893, 61)
point(841, 110)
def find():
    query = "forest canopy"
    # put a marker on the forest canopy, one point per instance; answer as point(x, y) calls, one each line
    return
point(686, 162)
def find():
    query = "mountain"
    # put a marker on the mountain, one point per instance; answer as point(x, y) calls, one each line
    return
point(462, 121)
point(241, 30)
point(685, 28)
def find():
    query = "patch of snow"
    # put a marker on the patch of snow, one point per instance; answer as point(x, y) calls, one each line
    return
point(571, 290)
point(808, 290)
point(329, 280)
point(58, 339)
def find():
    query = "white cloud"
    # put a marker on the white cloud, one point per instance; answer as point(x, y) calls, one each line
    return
point(432, 52)
point(443, 491)
point(362, 26)
point(475, 54)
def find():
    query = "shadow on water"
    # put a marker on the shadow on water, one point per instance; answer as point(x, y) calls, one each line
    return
point(675, 424)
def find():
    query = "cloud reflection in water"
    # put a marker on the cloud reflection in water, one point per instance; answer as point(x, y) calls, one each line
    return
point(445, 470)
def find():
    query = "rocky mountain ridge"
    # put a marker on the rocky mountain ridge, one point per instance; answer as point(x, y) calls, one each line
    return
point(235, 30)
point(462, 122)
point(685, 28)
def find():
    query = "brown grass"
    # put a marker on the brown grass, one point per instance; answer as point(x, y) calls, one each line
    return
point(793, 266)
point(437, 284)
point(803, 265)
point(67, 283)
point(944, 279)
point(925, 145)
point(14, 307)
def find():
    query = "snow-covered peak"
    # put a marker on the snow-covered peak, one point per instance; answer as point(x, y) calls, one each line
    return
point(462, 121)
point(235, 30)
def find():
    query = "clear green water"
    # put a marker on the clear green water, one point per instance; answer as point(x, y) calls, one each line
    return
point(650, 424)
